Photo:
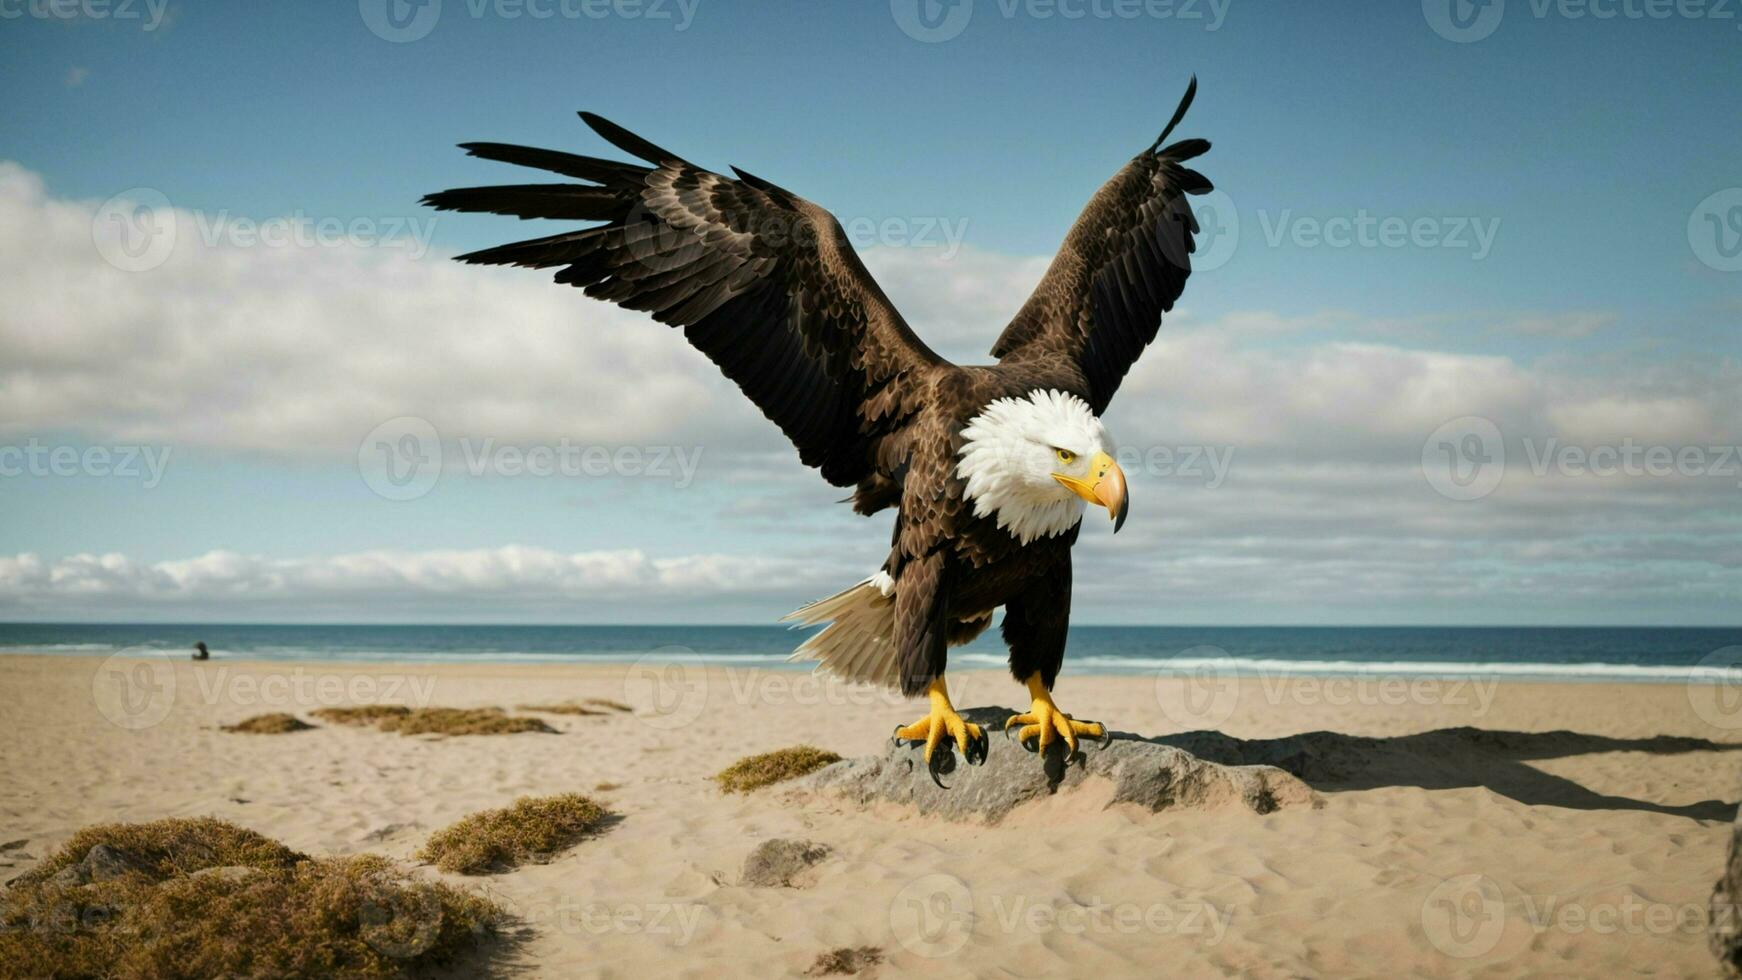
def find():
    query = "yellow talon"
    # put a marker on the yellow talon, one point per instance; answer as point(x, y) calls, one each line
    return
point(943, 721)
point(1045, 723)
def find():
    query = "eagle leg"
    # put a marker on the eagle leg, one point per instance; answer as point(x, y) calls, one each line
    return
point(940, 722)
point(1044, 723)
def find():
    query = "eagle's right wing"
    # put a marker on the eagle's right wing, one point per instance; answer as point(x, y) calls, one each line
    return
point(761, 280)
point(1120, 268)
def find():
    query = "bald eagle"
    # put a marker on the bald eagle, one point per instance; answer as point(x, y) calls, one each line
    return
point(989, 467)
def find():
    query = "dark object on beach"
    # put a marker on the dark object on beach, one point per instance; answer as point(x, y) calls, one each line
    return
point(845, 961)
point(1725, 933)
point(203, 898)
point(200, 651)
point(277, 723)
point(778, 862)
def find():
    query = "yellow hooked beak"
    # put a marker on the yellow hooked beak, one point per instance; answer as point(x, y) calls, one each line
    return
point(1104, 485)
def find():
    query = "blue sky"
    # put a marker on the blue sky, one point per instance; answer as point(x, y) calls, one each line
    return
point(1585, 146)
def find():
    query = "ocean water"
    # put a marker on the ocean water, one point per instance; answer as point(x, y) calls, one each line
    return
point(1648, 654)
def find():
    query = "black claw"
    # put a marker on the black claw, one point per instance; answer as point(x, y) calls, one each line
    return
point(940, 762)
point(978, 748)
point(1032, 748)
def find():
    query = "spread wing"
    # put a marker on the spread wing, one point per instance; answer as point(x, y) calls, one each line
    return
point(1121, 267)
point(762, 281)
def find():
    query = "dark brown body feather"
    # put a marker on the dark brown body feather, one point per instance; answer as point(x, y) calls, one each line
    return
point(765, 284)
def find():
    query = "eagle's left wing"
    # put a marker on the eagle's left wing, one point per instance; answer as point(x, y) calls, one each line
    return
point(1120, 268)
point(761, 280)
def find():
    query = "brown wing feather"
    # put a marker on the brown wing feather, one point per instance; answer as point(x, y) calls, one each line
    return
point(762, 281)
point(1120, 268)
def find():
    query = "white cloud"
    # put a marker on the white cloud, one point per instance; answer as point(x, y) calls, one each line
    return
point(513, 578)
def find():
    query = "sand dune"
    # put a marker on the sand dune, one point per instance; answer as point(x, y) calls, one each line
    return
point(1441, 849)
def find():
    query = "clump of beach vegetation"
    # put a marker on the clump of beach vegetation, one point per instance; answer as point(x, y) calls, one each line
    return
point(276, 723)
point(757, 771)
point(204, 898)
point(847, 961)
point(461, 721)
point(368, 714)
point(533, 829)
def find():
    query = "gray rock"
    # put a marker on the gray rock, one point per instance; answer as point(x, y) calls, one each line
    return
point(1150, 774)
point(101, 863)
point(777, 863)
point(1724, 934)
point(105, 863)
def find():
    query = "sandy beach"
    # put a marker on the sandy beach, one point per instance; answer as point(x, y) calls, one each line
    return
point(1589, 852)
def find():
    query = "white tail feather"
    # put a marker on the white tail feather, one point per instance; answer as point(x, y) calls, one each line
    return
point(858, 644)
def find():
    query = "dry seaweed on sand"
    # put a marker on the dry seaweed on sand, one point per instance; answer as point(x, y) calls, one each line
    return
point(757, 771)
point(532, 829)
point(847, 960)
point(462, 721)
point(277, 723)
point(367, 714)
point(609, 704)
point(203, 898)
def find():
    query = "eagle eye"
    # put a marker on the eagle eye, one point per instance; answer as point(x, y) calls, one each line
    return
point(1065, 455)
